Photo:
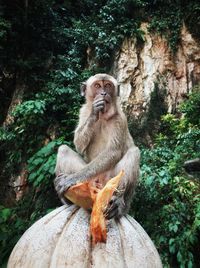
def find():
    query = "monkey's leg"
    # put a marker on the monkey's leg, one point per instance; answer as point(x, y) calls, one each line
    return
point(120, 202)
point(130, 164)
point(68, 161)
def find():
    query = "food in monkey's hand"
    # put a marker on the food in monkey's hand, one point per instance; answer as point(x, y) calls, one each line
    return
point(82, 194)
point(89, 196)
point(103, 197)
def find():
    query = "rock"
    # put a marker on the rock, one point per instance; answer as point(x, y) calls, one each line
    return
point(138, 68)
point(62, 239)
point(192, 165)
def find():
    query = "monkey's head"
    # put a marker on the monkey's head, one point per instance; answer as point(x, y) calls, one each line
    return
point(101, 86)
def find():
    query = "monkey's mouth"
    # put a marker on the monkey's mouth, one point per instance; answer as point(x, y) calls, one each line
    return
point(107, 99)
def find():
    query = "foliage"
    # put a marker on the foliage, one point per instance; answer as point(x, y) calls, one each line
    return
point(14, 221)
point(167, 18)
point(41, 166)
point(168, 22)
point(191, 108)
point(167, 197)
point(192, 18)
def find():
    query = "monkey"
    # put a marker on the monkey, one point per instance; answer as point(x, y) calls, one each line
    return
point(104, 145)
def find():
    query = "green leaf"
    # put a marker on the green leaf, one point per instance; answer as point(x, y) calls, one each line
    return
point(5, 213)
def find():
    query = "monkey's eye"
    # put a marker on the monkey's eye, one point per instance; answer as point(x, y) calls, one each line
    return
point(108, 85)
point(97, 85)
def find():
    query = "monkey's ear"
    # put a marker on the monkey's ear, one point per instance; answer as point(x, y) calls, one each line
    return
point(118, 90)
point(83, 89)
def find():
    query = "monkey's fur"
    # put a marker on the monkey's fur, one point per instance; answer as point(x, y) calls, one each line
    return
point(103, 139)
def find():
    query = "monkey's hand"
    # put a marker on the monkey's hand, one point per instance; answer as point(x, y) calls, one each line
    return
point(98, 105)
point(62, 183)
point(116, 208)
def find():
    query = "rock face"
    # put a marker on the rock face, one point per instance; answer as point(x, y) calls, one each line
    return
point(139, 67)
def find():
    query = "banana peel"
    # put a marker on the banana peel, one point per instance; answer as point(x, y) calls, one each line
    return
point(89, 196)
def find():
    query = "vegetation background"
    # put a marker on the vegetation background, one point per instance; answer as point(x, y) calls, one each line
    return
point(43, 60)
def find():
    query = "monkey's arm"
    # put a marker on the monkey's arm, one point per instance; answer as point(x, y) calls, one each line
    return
point(106, 160)
point(83, 134)
point(103, 162)
point(89, 115)
point(120, 202)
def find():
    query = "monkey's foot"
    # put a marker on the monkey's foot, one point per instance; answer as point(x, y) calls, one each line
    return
point(116, 208)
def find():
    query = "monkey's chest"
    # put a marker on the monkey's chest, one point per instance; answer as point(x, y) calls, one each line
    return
point(98, 143)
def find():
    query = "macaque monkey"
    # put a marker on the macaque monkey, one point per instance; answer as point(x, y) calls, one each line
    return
point(103, 139)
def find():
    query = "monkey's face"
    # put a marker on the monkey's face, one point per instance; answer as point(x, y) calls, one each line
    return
point(102, 87)
point(102, 90)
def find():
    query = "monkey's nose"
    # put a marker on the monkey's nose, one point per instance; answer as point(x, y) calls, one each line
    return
point(103, 93)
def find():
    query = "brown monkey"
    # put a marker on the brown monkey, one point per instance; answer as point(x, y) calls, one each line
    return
point(103, 139)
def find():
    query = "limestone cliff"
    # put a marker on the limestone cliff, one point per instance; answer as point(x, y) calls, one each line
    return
point(138, 67)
